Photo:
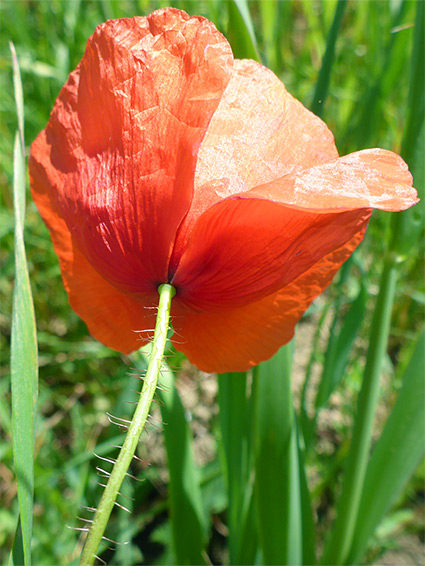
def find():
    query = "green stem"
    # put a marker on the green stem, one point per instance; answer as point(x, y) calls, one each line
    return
point(342, 533)
point(97, 528)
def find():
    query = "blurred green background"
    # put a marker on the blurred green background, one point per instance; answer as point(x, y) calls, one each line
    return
point(80, 379)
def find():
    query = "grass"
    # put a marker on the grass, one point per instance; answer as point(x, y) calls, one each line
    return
point(366, 106)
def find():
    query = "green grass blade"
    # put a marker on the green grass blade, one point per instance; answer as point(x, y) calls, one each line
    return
point(19, 95)
point(308, 530)
point(188, 519)
point(269, 20)
point(17, 557)
point(407, 226)
point(368, 113)
point(339, 348)
point(23, 363)
point(404, 235)
point(322, 85)
point(241, 32)
point(396, 455)
point(416, 104)
point(340, 540)
point(186, 508)
point(235, 418)
point(307, 423)
point(249, 534)
point(277, 484)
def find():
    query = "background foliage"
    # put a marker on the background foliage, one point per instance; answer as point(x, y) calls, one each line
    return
point(80, 380)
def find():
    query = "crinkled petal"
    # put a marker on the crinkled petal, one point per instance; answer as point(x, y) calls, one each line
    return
point(238, 339)
point(121, 144)
point(258, 133)
point(374, 178)
point(114, 318)
point(242, 250)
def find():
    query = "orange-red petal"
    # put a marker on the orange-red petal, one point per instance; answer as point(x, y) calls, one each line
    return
point(250, 245)
point(242, 250)
point(238, 339)
point(258, 133)
point(114, 318)
point(121, 144)
point(374, 178)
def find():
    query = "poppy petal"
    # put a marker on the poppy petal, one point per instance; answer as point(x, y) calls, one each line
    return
point(374, 178)
point(238, 339)
point(114, 318)
point(258, 133)
point(121, 143)
point(240, 253)
point(242, 250)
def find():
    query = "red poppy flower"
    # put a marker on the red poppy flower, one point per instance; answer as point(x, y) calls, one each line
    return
point(165, 160)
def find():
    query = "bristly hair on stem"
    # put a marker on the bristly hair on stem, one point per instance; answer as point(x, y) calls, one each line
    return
point(135, 429)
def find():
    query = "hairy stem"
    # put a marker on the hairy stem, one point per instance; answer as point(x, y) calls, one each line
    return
point(97, 528)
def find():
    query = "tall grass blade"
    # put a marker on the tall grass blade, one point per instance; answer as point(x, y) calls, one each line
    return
point(307, 520)
point(277, 475)
point(339, 348)
point(396, 455)
point(339, 543)
point(235, 420)
point(322, 85)
point(241, 34)
point(248, 548)
point(269, 21)
point(370, 107)
point(407, 226)
point(330, 375)
point(17, 557)
point(19, 95)
point(188, 521)
point(342, 534)
point(307, 423)
point(23, 362)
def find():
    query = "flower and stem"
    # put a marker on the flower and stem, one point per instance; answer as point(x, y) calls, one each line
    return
point(179, 183)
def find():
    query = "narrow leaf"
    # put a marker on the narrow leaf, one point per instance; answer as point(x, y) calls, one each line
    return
point(340, 540)
point(307, 423)
point(398, 452)
point(269, 21)
point(235, 420)
point(19, 95)
point(24, 369)
point(17, 557)
point(248, 547)
point(322, 85)
point(339, 348)
point(407, 226)
point(277, 482)
point(241, 32)
point(307, 520)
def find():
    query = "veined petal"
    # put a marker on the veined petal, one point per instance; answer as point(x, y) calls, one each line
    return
point(121, 144)
point(114, 318)
point(258, 133)
point(237, 339)
point(242, 250)
point(374, 178)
